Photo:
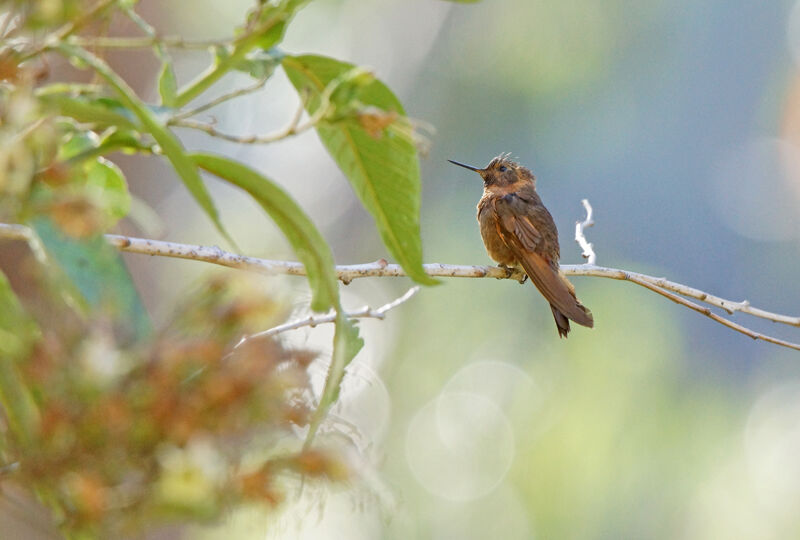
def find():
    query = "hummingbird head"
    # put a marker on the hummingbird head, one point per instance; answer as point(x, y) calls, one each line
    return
point(501, 172)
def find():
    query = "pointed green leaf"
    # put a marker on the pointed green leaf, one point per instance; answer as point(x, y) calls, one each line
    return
point(87, 109)
point(381, 165)
point(109, 187)
point(305, 239)
point(167, 83)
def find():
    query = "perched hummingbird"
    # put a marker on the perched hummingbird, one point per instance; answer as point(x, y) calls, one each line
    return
point(518, 231)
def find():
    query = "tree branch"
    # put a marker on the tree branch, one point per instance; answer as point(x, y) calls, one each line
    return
point(145, 42)
point(312, 320)
point(708, 313)
point(380, 268)
point(294, 127)
point(258, 85)
point(68, 29)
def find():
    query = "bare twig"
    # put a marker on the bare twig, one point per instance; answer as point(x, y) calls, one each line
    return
point(217, 101)
point(380, 268)
point(293, 128)
point(68, 29)
point(242, 139)
point(315, 320)
point(708, 313)
point(588, 248)
point(145, 42)
point(76, 24)
point(27, 130)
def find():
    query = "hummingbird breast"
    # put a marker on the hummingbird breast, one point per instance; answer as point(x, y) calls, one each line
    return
point(496, 247)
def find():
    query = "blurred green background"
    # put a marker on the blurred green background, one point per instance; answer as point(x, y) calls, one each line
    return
point(467, 416)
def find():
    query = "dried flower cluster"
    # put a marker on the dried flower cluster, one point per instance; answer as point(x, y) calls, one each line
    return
point(183, 426)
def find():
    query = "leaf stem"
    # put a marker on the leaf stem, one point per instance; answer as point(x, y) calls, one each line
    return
point(241, 47)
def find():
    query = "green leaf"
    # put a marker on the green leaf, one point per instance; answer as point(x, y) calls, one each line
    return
point(169, 143)
point(77, 143)
point(95, 176)
point(384, 169)
point(274, 35)
point(313, 252)
point(88, 109)
point(123, 140)
point(90, 146)
point(108, 184)
point(97, 273)
point(167, 83)
point(18, 333)
point(305, 239)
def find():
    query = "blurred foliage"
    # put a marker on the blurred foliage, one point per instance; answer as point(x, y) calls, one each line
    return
point(112, 423)
point(123, 437)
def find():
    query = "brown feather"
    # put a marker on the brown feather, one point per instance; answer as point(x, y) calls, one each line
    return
point(554, 287)
point(536, 252)
point(518, 230)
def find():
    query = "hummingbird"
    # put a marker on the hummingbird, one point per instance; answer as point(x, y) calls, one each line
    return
point(518, 231)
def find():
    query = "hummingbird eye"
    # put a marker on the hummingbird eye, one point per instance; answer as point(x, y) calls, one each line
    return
point(502, 168)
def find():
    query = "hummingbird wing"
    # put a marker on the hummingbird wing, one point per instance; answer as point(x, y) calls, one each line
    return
point(537, 251)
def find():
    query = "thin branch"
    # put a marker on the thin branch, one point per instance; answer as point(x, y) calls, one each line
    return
point(76, 24)
point(708, 313)
point(730, 306)
point(144, 26)
point(380, 268)
point(145, 42)
point(293, 128)
point(239, 48)
point(218, 101)
point(27, 130)
point(242, 139)
point(315, 320)
point(588, 248)
point(68, 29)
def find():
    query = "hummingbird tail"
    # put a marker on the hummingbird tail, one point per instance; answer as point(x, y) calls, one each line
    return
point(562, 323)
point(557, 289)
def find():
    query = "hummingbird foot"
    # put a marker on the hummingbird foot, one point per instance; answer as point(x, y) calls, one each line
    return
point(510, 272)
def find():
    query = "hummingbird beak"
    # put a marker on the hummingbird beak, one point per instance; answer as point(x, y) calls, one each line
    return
point(465, 166)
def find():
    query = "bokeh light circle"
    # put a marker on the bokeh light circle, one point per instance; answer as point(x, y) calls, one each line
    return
point(501, 382)
point(772, 447)
point(460, 446)
point(753, 190)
